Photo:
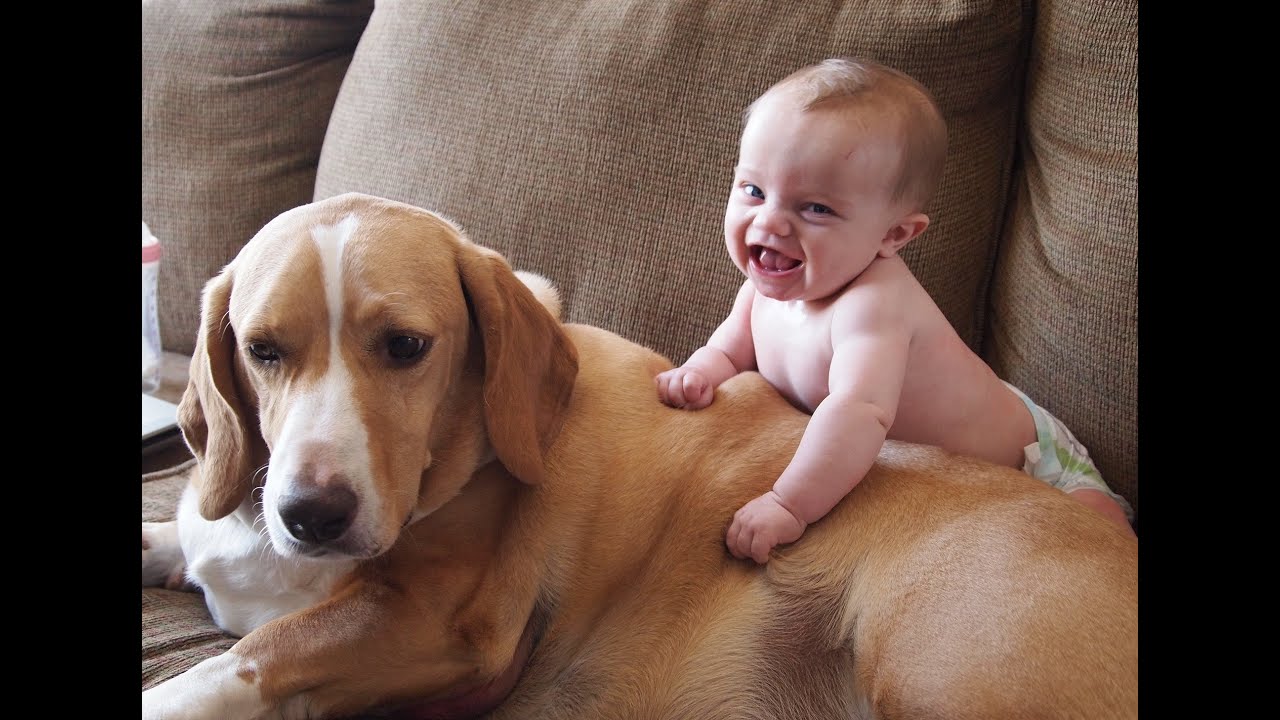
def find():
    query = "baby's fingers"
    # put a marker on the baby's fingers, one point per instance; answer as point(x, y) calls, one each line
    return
point(694, 389)
point(668, 389)
point(761, 544)
point(733, 540)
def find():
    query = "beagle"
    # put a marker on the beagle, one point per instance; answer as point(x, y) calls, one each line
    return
point(419, 493)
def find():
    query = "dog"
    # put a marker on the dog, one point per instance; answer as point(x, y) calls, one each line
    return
point(418, 493)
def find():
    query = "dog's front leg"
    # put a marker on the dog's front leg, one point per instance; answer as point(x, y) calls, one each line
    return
point(371, 645)
point(220, 687)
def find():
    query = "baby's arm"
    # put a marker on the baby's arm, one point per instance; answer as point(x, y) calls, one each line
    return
point(729, 351)
point(842, 440)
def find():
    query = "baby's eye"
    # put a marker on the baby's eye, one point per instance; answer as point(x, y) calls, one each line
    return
point(819, 208)
point(753, 191)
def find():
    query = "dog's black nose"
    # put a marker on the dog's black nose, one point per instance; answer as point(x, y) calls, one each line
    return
point(319, 514)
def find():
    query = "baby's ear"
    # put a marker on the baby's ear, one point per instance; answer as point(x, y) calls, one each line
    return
point(902, 233)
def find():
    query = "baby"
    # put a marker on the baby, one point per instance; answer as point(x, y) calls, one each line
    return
point(836, 163)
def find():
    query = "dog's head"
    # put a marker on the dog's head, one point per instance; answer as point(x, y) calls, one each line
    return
point(357, 361)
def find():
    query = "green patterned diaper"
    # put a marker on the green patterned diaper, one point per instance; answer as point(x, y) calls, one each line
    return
point(1059, 459)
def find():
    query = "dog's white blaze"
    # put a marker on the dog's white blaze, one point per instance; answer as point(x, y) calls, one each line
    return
point(331, 240)
point(326, 418)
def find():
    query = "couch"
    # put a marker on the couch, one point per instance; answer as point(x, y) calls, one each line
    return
point(593, 141)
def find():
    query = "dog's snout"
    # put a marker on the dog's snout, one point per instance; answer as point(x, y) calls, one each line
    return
point(319, 514)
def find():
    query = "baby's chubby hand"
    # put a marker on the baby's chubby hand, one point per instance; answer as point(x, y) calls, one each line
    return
point(684, 388)
point(760, 525)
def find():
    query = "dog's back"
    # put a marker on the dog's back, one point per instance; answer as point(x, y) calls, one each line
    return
point(941, 587)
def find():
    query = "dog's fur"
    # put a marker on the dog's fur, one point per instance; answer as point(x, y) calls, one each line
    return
point(532, 531)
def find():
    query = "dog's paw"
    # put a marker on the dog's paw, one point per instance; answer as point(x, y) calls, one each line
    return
point(162, 562)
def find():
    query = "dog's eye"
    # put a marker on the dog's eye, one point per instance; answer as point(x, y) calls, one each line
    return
point(405, 347)
point(263, 352)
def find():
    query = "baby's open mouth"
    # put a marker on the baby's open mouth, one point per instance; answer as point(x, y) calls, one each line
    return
point(771, 260)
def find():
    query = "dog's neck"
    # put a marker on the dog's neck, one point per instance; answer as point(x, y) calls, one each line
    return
point(468, 451)
point(443, 476)
point(460, 447)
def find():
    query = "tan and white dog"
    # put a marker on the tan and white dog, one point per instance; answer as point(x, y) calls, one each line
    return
point(418, 492)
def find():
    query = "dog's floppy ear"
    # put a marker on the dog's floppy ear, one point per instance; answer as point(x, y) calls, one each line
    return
point(211, 414)
point(530, 364)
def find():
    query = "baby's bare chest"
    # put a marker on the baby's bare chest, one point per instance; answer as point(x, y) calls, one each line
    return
point(793, 351)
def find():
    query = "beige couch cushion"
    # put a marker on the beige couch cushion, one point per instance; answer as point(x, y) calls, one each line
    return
point(1064, 319)
point(594, 141)
point(236, 98)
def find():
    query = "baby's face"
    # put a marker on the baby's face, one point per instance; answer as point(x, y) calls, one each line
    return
point(810, 206)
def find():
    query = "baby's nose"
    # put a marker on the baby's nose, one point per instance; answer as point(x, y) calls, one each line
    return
point(773, 220)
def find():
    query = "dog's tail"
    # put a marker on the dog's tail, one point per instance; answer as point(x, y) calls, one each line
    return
point(543, 290)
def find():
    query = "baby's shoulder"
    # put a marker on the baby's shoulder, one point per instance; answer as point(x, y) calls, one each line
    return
point(885, 293)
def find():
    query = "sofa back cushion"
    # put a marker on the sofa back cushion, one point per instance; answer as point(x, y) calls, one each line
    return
point(236, 96)
point(594, 141)
point(1063, 324)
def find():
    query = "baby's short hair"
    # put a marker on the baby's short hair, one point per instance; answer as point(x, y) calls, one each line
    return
point(858, 84)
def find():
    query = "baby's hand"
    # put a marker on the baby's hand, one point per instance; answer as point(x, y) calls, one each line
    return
point(760, 525)
point(684, 388)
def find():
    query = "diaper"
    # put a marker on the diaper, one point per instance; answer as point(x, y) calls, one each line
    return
point(1059, 459)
